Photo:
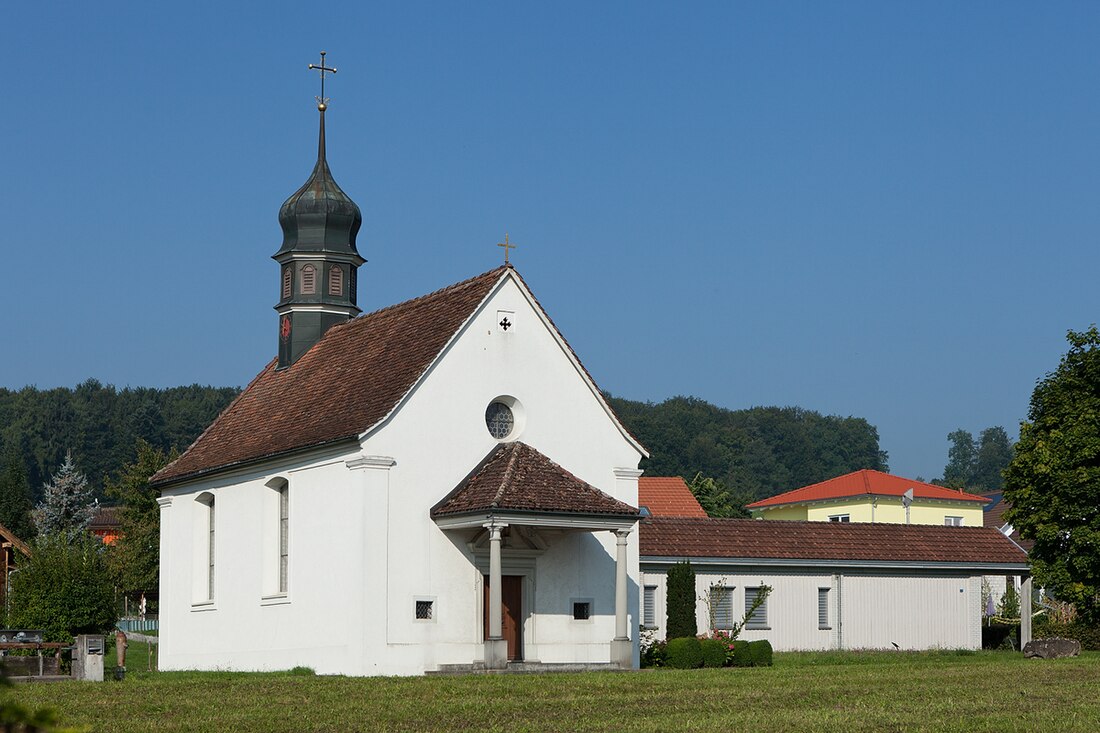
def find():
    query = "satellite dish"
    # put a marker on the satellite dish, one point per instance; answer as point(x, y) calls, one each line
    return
point(906, 500)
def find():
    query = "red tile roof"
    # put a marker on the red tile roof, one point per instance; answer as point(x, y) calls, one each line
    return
point(668, 496)
point(352, 378)
point(516, 477)
point(865, 483)
point(776, 539)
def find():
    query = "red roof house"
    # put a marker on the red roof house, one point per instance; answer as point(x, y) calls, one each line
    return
point(668, 496)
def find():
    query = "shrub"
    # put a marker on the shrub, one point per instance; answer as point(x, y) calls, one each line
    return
point(685, 653)
point(680, 601)
point(742, 655)
point(654, 654)
point(1087, 634)
point(761, 653)
point(714, 652)
point(64, 589)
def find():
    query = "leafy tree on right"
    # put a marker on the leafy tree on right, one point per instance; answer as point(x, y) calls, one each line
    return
point(1053, 482)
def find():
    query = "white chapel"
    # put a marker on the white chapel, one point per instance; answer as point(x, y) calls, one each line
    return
point(439, 482)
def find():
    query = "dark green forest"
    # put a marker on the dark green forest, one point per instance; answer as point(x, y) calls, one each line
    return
point(101, 425)
point(756, 452)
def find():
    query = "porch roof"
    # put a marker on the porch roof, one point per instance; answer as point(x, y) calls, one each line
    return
point(515, 479)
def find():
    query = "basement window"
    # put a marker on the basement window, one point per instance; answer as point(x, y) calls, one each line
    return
point(582, 610)
point(425, 610)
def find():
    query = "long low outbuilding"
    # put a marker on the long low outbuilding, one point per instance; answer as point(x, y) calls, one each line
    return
point(833, 585)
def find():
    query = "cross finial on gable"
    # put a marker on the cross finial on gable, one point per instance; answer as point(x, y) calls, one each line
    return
point(507, 246)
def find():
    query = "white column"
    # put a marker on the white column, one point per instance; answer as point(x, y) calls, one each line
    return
point(495, 613)
point(622, 648)
point(1025, 611)
point(620, 584)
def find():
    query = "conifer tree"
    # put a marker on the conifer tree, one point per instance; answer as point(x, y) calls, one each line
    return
point(67, 506)
point(680, 601)
point(15, 498)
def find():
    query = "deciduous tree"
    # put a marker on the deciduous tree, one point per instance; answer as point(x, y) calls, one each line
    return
point(1053, 482)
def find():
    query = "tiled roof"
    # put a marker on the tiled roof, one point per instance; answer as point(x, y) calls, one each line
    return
point(106, 517)
point(352, 378)
point(865, 483)
point(668, 496)
point(776, 539)
point(516, 477)
point(994, 517)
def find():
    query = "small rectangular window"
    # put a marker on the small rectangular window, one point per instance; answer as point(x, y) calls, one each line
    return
point(721, 599)
point(840, 518)
point(424, 610)
point(759, 618)
point(823, 608)
point(582, 610)
point(953, 521)
point(649, 607)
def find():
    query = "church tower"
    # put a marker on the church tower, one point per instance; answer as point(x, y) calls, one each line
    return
point(318, 260)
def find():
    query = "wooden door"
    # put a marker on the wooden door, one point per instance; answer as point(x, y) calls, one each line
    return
point(511, 606)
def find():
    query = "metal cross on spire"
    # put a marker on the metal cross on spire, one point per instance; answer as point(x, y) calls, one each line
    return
point(507, 246)
point(322, 101)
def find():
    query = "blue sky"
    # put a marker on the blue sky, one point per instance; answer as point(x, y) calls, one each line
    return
point(876, 209)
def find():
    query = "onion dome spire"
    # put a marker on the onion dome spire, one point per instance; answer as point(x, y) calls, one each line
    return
point(318, 257)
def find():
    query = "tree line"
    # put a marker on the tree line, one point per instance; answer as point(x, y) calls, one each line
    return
point(100, 425)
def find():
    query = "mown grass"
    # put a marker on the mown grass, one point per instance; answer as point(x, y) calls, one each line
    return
point(988, 691)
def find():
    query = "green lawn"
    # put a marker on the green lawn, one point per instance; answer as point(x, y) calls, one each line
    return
point(992, 691)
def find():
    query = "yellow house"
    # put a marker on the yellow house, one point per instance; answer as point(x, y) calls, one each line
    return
point(877, 497)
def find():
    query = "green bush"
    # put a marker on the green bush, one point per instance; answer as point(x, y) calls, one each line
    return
point(1088, 635)
point(680, 601)
point(64, 589)
point(761, 653)
point(685, 653)
point(654, 654)
point(714, 652)
point(742, 654)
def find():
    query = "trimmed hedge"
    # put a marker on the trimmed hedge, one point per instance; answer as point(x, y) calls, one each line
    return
point(1089, 636)
point(742, 654)
point(761, 653)
point(714, 652)
point(685, 653)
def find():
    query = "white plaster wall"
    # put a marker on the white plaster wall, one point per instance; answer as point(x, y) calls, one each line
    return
point(314, 624)
point(363, 548)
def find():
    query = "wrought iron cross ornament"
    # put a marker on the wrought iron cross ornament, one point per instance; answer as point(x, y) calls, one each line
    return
point(322, 101)
point(506, 246)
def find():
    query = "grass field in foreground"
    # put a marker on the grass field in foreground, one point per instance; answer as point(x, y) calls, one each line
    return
point(993, 691)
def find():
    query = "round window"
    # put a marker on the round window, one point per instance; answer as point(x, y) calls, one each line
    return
point(499, 420)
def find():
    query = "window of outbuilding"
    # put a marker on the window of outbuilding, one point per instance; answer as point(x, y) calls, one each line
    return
point(759, 618)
